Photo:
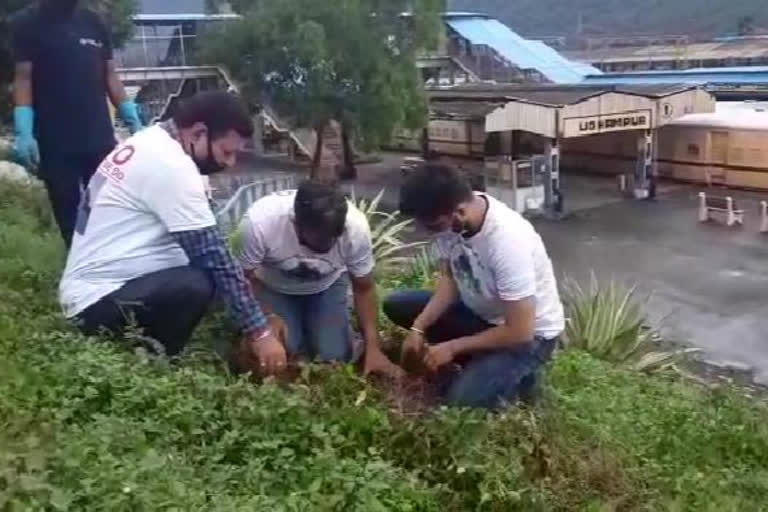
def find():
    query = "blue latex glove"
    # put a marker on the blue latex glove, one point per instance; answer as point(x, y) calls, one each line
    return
point(129, 113)
point(25, 146)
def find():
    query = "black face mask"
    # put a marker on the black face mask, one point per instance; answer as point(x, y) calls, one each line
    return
point(319, 244)
point(209, 165)
point(325, 249)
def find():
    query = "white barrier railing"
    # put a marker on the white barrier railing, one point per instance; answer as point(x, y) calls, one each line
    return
point(234, 210)
point(722, 205)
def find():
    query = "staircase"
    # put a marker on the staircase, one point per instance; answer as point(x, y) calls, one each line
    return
point(444, 70)
point(305, 139)
point(495, 46)
point(488, 65)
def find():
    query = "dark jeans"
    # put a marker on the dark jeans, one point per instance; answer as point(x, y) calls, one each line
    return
point(166, 305)
point(318, 325)
point(66, 176)
point(488, 379)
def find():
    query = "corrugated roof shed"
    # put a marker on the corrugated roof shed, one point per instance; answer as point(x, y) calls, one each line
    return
point(747, 48)
point(701, 76)
point(525, 54)
point(551, 95)
point(463, 110)
point(171, 7)
point(738, 116)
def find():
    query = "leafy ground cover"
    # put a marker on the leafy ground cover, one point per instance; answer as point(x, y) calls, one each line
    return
point(90, 425)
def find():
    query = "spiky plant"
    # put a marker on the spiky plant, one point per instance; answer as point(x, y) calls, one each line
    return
point(608, 320)
point(424, 267)
point(386, 231)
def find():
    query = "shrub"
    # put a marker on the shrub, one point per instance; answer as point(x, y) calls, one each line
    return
point(608, 321)
point(424, 268)
point(386, 232)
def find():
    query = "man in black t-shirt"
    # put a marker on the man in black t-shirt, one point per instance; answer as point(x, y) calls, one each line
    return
point(64, 73)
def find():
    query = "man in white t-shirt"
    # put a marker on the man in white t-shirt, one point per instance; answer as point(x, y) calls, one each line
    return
point(301, 249)
point(146, 247)
point(496, 311)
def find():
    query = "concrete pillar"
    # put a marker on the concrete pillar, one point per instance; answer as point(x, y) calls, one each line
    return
point(553, 196)
point(654, 176)
point(644, 169)
point(557, 192)
point(548, 192)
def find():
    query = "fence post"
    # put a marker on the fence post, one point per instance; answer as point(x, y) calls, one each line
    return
point(731, 214)
point(703, 212)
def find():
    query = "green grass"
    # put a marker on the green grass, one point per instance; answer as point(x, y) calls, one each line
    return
point(89, 425)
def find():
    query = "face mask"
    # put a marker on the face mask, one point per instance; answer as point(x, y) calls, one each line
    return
point(324, 249)
point(460, 226)
point(208, 165)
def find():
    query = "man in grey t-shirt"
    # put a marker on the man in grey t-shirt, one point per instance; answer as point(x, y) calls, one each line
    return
point(302, 250)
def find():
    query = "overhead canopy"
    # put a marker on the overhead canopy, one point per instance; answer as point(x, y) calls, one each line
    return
point(572, 111)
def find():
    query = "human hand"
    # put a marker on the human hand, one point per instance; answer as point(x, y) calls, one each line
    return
point(129, 112)
point(25, 148)
point(270, 354)
point(437, 356)
point(375, 362)
point(412, 346)
point(26, 151)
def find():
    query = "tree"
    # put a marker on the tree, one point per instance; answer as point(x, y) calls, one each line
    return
point(352, 61)
point(116, 12)
point(7, 8)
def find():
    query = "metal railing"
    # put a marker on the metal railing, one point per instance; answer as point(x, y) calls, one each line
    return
point(235, 208)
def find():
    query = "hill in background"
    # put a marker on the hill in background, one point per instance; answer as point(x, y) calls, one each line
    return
point(596, 18)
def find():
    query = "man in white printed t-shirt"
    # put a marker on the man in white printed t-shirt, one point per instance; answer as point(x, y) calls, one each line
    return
point(146, 245)
point(496, 311)
point(301, 249)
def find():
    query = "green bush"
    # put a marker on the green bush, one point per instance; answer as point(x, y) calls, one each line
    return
point(605, 319)
point(386, 230)
point(90, 425)
point(608, 320)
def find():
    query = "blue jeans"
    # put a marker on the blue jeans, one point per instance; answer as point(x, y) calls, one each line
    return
point(488, 379)
point(318, 325)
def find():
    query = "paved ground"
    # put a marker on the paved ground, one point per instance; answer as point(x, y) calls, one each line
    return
point(709, 283)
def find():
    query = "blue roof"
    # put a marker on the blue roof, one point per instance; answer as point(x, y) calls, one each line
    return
point(521, 52)
point(171, 7)
point(698, 76)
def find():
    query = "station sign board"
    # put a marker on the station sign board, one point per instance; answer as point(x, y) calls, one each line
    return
point(592, 125)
